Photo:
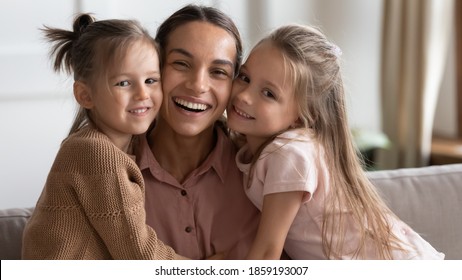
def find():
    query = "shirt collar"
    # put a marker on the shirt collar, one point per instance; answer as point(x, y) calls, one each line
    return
point(222, 155)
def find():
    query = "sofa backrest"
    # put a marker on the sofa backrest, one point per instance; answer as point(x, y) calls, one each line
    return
point(12, 222)
point(428, 199)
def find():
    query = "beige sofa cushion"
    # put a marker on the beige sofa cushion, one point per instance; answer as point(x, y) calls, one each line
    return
point(12, 222)
point(429, 199)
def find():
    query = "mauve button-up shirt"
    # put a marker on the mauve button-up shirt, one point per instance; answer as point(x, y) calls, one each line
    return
point(206, 214)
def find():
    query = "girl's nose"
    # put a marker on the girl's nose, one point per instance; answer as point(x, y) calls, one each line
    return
point(244, 96)
point(142, 93)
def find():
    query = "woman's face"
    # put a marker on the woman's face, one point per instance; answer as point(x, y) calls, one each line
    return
point(197, 76)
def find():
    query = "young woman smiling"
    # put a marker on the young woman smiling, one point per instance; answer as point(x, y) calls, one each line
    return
point(194, 194)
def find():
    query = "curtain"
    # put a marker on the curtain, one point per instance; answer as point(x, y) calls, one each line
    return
point(416, 37)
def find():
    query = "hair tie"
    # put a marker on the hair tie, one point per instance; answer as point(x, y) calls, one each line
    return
point(81, 23)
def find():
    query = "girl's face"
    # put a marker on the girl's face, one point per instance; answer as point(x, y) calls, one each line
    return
point(197, 76)
point(262, 102)
point(130, 99)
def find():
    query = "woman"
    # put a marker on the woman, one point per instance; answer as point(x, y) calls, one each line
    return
point(194, 194)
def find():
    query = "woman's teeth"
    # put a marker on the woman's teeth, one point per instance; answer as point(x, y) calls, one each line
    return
point(190, 105)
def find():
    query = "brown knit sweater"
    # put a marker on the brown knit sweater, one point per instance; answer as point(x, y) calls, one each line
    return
point(92, 206)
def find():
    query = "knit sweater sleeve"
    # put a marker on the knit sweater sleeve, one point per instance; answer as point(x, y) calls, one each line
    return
point(110, 189)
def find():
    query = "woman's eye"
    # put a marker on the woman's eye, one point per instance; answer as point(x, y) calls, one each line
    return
point(180, 63)
point(220, 72)
point(122, 84)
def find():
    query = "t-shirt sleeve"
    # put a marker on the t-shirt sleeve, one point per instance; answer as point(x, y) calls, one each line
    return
point(291, 167)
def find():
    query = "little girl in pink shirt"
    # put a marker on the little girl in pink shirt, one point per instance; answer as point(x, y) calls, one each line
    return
point(300, 165)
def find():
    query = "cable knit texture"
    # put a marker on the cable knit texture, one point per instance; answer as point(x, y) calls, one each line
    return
point(92, 206)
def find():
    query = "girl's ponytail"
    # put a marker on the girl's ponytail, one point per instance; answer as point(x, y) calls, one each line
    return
point(81, 23)
point(63, 42)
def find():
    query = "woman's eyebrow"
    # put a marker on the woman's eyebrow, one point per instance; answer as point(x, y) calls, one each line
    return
point(224, 62)
point(188, 54)
point(181, 51)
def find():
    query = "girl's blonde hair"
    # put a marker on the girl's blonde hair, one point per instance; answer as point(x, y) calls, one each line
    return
point(312, 62)
point(90, 49)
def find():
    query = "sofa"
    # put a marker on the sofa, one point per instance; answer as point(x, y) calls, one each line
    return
point(429, 199)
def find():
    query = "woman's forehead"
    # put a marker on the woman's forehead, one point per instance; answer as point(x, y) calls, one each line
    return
point(198, 37)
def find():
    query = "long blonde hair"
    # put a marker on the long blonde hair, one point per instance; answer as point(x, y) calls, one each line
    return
point(313, 64)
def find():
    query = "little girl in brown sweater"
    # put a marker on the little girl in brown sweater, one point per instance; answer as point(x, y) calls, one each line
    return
point(92, 205)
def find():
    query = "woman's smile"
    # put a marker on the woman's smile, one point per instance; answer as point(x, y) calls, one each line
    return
point(189, 106)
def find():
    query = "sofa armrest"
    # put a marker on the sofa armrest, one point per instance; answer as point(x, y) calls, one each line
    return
point(12, 222)
point(429, 199)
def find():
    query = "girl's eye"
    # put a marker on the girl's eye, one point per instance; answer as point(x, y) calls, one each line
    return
point(243, 77)
point(269, 94)
point(151, 81)
point(122, 84)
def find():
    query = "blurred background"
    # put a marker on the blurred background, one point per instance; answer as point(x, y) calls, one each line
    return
point(400, 65)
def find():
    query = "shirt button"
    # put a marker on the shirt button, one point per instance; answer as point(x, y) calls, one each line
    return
point(188, 229)
point(183, 192)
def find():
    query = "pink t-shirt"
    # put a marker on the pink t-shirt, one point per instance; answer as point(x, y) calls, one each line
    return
point(208, 213)
point(293, 162)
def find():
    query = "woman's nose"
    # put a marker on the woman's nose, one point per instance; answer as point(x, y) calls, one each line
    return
point(199, 82)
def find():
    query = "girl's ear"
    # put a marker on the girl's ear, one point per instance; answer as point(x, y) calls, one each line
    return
point(82, 94)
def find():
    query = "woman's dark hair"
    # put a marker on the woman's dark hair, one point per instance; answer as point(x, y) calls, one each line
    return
point(192, 13)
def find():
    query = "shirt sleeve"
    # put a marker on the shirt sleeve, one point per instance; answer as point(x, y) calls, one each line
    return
point(290, 167)
point(111, 193)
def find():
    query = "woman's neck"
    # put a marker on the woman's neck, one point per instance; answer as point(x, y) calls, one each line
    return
point(180, 155)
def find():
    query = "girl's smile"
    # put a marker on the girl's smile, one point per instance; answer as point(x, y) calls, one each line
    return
point(242, 113)
point(262, 101)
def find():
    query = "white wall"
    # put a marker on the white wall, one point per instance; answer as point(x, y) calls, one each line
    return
point(35, 104)
point(36, 108)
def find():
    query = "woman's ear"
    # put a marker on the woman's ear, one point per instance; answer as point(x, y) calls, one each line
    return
point(82, 94)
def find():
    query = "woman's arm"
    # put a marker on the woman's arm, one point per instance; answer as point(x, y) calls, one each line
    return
point(278, 213)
